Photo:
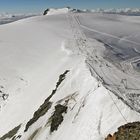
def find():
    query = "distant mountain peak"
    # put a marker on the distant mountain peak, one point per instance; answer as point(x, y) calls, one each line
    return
point(54, 11)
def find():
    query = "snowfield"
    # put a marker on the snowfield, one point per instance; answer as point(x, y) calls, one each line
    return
point(8, 18)
point(70, 60)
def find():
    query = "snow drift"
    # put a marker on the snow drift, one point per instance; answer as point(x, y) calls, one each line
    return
point(52, 90)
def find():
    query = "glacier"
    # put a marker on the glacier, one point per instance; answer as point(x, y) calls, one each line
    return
point(72, 60)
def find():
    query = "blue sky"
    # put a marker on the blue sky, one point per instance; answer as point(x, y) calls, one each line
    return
point(24, 6)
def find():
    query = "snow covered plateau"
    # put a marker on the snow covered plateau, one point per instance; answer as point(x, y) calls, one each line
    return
point(69, 75)
point(8, 18)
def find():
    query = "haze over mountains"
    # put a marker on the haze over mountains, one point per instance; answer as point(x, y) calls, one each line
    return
point(123, 11)
point(7, 18)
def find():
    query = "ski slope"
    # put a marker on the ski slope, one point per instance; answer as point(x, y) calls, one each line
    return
point(118, 63)
point(57, 54)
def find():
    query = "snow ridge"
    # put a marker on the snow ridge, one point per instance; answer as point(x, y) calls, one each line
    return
point(57, 53)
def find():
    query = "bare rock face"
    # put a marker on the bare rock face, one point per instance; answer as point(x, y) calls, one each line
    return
point(130, 131)
point(46, 11)
point(110, 137)
point(57, 117)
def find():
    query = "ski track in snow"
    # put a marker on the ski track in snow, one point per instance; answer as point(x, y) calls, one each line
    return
point(80, 35)
point(87, 90)
point(120, 75)
point(103, 33)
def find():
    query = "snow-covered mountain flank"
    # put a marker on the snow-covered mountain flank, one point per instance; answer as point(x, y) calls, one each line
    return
point(69, 75)
point(8, 18)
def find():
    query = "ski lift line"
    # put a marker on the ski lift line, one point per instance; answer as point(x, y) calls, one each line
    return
point(77, 20)
point(117, 107)
point(83, 26)
point(103, 33)
point(125, 84)
point(83, 36)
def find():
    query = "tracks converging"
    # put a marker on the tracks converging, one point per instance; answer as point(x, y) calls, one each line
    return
point(112, 77)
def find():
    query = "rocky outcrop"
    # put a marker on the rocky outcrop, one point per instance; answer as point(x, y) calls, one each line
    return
point(11, 134)
point(62, 10)
point(46, 11)
point(57, 117)
point(130, 131)
point(110, 137)
point(43, 109)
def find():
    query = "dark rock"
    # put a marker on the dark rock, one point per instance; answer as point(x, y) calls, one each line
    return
point(46, 11)
point(11, 133)
point(130, 131)
point(43, 109)
point(57, 117)
point(5, 96)
point(40, 112)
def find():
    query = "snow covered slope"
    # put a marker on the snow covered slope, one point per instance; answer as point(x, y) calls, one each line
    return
point(8, 18)
point(118, 64)
point(56, 11)
point(52, 92)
